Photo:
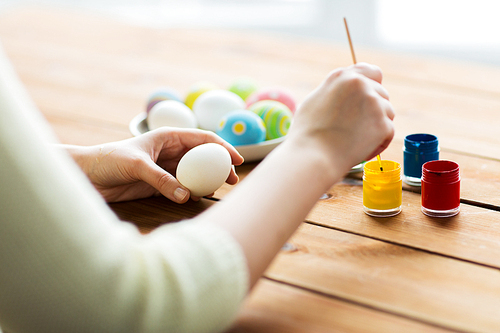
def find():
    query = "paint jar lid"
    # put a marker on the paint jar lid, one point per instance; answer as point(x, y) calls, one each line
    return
point(391, 171)
point(440, 172)
point(421, 143)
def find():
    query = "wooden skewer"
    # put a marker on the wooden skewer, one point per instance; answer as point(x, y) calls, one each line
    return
point(350, 42)
point(354, 61)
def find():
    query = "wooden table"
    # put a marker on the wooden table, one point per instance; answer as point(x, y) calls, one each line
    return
point(343, 270)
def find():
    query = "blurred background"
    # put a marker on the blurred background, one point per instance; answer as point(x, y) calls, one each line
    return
point(458, 29)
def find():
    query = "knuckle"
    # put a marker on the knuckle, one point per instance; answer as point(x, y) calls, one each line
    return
point(373, 69)
point(166, 181)
point(333, 75)
point(354, 82)
point(211, 136)
point(372, 102)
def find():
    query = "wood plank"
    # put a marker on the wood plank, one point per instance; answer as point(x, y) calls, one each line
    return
point(84, 132)
point(279, 308)
point(471, 235)
point(148, 214)
point(105, 58)
point(397, 279)
point(81, 28)
point(81, 89)
point(462, 121)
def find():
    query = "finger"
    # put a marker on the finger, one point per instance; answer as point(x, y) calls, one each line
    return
point(191, 138)
point(386, 108)
point(236, 158)
point(383, 104)
point(380, 89)
point(233, 178)
point(390, 111)
point(163, 182)
point(370, 71)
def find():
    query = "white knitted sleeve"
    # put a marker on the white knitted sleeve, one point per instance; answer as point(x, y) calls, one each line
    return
point(68, 265)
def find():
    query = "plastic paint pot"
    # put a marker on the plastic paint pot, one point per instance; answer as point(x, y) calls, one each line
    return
point(418, 149)
point(440, 188)
point(382, 190)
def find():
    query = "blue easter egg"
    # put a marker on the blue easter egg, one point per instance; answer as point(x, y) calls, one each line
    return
point(242, 127)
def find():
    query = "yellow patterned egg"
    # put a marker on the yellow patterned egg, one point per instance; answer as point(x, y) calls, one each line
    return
point(276, 116)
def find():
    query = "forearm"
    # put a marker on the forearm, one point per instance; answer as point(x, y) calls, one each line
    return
point(266, 208)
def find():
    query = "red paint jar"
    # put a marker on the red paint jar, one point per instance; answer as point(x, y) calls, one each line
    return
point(440, 188)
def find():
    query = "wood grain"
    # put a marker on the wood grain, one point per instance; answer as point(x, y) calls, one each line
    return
point(99, 64)
point(412, 283)
point(90, 76)
point(279, 308)
point(150, 213)
point(471, 235)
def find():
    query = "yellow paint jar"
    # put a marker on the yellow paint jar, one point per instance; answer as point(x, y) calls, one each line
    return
point(382, 190)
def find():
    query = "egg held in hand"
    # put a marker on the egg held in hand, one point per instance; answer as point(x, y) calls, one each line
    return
point(204, 169)
point(171, 113)
point(242, 127)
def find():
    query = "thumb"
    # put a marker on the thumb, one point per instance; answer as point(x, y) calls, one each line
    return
point(164, 182)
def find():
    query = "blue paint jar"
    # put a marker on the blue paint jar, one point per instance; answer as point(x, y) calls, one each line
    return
point(418, 149)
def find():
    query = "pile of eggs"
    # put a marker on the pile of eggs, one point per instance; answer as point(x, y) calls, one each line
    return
point(241, 114)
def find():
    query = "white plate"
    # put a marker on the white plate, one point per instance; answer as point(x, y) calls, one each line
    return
point(251, 153)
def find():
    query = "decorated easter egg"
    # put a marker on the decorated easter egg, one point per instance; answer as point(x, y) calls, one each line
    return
point(242, 127)
point(196, 90)
point(204, 168)
point(162, 94)
point(274, 94)
point(243, 87)
point(211, 106)
point(171, 113)
point(276, 116)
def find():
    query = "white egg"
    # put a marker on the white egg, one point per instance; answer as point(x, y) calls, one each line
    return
point(212, 105)
point(171, 113)
point(204, 168)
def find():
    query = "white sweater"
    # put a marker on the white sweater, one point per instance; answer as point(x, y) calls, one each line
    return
point(67, 264)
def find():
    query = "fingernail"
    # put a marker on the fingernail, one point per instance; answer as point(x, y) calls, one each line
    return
point(180, 194)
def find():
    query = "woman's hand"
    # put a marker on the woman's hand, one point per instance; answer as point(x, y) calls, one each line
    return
point(348, 117)
point(145, 165)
